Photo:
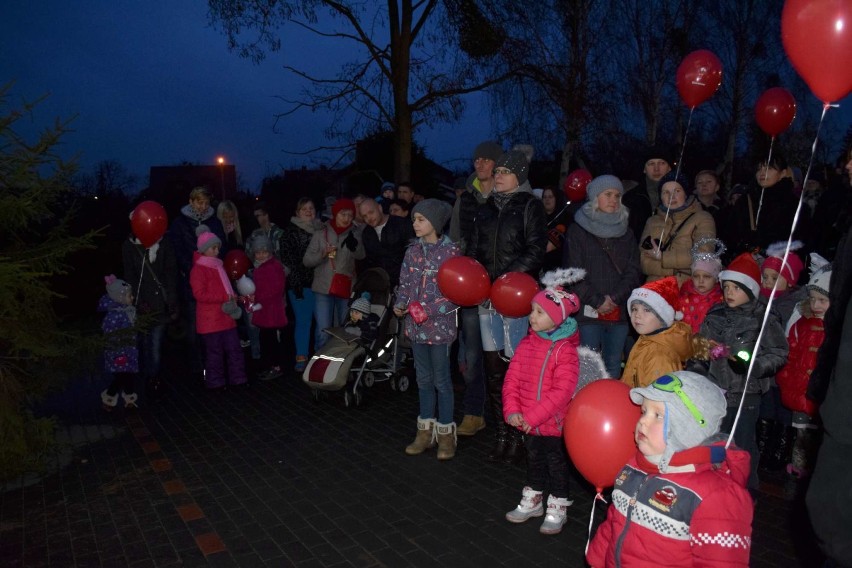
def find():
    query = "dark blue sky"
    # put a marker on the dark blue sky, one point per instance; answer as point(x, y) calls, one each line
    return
point(153, 84)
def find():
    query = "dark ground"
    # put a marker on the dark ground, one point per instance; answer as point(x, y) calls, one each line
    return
point(264, 476)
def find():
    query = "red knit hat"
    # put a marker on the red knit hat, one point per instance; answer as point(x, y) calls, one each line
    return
point(662, 296)
point(744, 271)
point(341, 204)
point(775, 259)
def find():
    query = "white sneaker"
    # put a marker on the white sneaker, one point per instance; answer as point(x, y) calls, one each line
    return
point(557, 510)
point(530, 506)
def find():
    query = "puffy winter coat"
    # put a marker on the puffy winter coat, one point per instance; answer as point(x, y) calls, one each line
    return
point(511, 239)
point(210, 295)
point(324, 267)
point(464, 213)
point(699, 516)
point(657, 354)
point(418, 282)
point(805, 339)
point(270, 282)
point(183, 237)
point(738, 328)
point(387, 252)
point(541, 380)
point(688, 225)
point(695, 306)
point(120, 353)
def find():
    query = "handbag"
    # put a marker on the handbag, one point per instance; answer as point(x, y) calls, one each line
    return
point(341, 284)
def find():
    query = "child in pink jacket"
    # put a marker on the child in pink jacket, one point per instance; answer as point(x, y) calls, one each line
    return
point(270, 282)
point(538, 387)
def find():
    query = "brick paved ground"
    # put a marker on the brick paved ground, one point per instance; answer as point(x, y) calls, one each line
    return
point(266, 477)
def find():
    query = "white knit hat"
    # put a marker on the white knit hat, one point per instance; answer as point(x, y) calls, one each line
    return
point(820, 278)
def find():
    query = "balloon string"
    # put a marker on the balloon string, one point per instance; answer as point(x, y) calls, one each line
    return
point(677, 173)
point(775, 287)
point(598, 497)
point(556, 217)
point(141, 274)
point(763, 187)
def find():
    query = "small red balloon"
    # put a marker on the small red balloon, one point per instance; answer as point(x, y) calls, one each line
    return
point(236, 264)
point(598, 430)
point(698, 77)
point(512, 294)
point(775, 110)
point(464, 281)
point(575, 185)
point(817, 37)
point(149, 222)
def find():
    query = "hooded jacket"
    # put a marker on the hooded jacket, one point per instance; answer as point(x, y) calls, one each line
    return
point(656, 354)
point(542, 378)
point(695, 305)
point(209, 294)
point(698, 513)
point(691, 224)
point(805, 339)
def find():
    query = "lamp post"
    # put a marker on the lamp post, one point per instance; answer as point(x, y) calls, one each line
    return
point(221, 161)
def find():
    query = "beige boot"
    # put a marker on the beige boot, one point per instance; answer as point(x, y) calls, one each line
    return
point(446, 435)
point(470, 425)
point(425, 437)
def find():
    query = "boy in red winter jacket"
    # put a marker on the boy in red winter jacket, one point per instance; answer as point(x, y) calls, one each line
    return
point(681, 500)
point(538, 387)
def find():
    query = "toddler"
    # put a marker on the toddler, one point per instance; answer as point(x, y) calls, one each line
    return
point(681, 500)
point(363, 323)
point(215, 313)
point(702, 291)
point(664, 344)
point(805, 338)
point(539, 384)
point(121, 356)
point(270, 282)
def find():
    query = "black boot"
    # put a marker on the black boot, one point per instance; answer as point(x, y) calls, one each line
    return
point(495, 372)
point(764, 432)
point(784, 449)
point(516, 449)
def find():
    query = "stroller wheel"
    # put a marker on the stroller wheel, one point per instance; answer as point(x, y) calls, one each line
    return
point(402, 383)
point(369, 380)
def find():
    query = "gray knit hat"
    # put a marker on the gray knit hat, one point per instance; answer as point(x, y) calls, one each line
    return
point(601, 184)
point(489, 150)
point(117, 289)
point(261, 242)
point(362, 304)
point(517, 162)
point(436, 212)
point(684, 427)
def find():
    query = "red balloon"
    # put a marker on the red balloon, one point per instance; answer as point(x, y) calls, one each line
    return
point(775, 110)
point(236, 264)
point(817, 36)
point(598, 430)
point(464, 281)
point(575, 185)
point(698, 77)
point(149, 222)
point(512, 294)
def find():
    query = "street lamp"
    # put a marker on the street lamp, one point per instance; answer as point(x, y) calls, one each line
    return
point(221, 161)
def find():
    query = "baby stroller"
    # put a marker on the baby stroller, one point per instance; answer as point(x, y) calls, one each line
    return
point(346, 362)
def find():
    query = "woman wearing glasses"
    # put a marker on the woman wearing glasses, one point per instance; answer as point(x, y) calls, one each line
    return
point(509, 236)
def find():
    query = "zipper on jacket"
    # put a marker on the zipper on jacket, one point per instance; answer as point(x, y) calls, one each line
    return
point(541, 378)
point(494, 244)
point(620, 541)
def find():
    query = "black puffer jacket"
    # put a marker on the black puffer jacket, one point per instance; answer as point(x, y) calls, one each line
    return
point(511, 239)
point(387, 252)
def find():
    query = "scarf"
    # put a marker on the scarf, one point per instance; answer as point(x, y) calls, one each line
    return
point(339, 230)
point(689, 201)
point(566, 329)
point(216, 264)
point(188, 211)
point(600, 224)
point(311, 226)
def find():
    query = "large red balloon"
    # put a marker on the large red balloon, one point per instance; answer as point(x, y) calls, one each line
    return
point(512, 294)
point(464, 281)
point(575, 185)
point(236, 264)
point(775, 110)
point(817, 36)
point(698, 77)
point(149, 222)
point(598, 430)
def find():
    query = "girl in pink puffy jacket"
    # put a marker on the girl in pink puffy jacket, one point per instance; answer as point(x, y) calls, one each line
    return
point(539, 385)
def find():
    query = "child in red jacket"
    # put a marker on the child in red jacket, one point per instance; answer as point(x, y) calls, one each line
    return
point(215, 313)
point(538, 387)
point(805, 338)
point(681, 500)
point(702, 291)
point(270, 282)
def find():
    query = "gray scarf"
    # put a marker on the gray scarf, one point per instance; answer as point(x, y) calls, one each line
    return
point(501, 199)
point(311, 226)
point(600, 224)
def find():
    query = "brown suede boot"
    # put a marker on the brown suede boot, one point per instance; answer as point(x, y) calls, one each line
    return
point(446, 435)
point(470, 425)
point(425, 437)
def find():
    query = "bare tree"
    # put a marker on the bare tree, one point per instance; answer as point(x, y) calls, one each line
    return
point(107, 177)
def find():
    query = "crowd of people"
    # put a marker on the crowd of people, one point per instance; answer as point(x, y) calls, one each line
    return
point(689, 297)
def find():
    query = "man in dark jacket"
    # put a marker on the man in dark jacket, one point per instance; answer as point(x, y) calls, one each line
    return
point(643, 199)
point(385, 239)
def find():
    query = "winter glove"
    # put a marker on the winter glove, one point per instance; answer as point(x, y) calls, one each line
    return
point(351, 242)
point(232, 309)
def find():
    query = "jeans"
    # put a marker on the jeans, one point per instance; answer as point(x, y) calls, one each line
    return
point(495, 330)
point(474, 374)
point(432, 366)
point(150, 350)
point(547, 465)
point(330, 311)
point(746, 435)
point(303, 309)
point(608, 339)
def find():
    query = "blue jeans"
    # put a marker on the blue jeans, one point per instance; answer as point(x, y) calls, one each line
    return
point(746, 435)
point(607, 339)
point(150, 350)
point(500, 333)
point(432, 365)
point(330, 311)
point(303, 309)
point(474, 374)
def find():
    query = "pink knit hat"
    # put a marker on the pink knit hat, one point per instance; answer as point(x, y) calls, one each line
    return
point(206, 239)
point(558, 303)
point(707, 260)
point(791, 269)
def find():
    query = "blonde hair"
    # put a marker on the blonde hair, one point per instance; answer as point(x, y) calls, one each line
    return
point(228, 205)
